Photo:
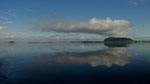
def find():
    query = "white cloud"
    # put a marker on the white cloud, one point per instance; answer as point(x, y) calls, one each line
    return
point(137, 2)
point(107, 26)
point(9, 11)
point(2, 27)
point(142, 0)
point(134, 3)
point(3, 18)
point(7, 22)
point(27, 9)
point(13, 14)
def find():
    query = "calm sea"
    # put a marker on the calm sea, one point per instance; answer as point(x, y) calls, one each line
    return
point(74, 63)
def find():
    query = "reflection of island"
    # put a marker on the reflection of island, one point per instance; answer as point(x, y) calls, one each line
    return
point(110, 45)
point(95, 58)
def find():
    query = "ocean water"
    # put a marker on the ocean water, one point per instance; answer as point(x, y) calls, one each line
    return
point(74, 63)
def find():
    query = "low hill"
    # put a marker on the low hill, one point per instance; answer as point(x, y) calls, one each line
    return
point(118, 40)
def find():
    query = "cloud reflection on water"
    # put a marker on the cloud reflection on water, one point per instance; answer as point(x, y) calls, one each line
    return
point(108, 57)
point(68, 53)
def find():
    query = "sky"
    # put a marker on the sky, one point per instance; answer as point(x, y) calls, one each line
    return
point(74, 19)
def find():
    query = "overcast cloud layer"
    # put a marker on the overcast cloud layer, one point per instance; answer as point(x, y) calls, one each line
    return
point(106, 26)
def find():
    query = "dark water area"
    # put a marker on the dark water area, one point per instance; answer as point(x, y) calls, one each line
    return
point(74, 63)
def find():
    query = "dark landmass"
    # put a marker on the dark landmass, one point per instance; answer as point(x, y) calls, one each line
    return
point(118, 40)
point(86, 42)
point(142, 41)
point(40, 42)
point(110, 41)
point(11, 42)
point(123, 39)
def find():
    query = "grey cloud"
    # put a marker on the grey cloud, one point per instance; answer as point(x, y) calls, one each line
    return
point(107, 26)
point(76, 37)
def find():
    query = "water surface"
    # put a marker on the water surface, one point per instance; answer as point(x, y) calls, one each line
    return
point(78, 63)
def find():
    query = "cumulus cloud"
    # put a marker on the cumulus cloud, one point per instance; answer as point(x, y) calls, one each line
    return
point(137, 2)
point(7, 22)
point(27, 9)
point(2, 27)
point(106, 26)
point(142, 0)
point(3, 18)
point(11, 12)
point(134, 3)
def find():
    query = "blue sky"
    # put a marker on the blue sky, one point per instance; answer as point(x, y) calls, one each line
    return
point(16, 15)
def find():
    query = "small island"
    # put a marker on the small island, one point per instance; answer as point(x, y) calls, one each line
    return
point(11, 42)
point(118, 41)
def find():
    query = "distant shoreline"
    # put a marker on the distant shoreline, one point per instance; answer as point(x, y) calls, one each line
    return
point(90, 42)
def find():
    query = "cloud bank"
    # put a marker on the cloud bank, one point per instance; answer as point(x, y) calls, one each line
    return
point(106, 26)
point(1, 28)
